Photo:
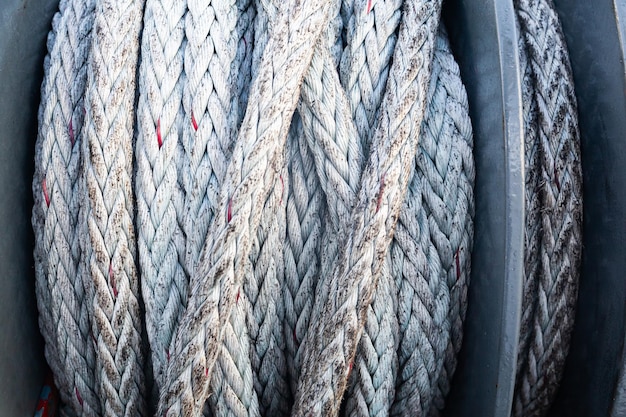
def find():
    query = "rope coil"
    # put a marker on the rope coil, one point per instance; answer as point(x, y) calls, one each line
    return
point(553, 241)
point(303, 178)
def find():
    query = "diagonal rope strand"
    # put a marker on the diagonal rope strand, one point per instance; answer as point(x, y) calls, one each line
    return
point(109, 244)
point(252, 168)
point(60, 291)
point(334, 336)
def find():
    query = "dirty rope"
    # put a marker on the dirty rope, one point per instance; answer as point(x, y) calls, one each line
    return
point(303, 178)
point(553, 241)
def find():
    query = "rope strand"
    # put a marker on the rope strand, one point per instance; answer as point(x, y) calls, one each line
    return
point(61, 295)
point(553, 204)
point(334, 336)
point(430, 263)
point(158, 182)
point(252, 167)
point(110, 246)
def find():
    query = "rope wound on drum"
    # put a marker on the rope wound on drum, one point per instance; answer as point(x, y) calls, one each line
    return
point(553, 233)
point(264, 208)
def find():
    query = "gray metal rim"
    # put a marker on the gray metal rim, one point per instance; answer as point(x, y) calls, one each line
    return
point(23, 30)
point(484, 38)
point(595, 32)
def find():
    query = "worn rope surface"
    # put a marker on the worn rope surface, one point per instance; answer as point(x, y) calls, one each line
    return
point(61, 296)
point(332, 339)
point(432, 244)
point(158, 182)
point(553, 239)
point(371, 39)
point(251, 171)
point(109, 244)
point(307, 264)
point(214, 32)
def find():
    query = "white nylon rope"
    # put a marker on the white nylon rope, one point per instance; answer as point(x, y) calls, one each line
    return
point(210, 104)
point(269, 269)
point(332, 341)
point(322, 73)
point(432, 244)
point(158, 184)
point(305, 211)
point(449, 200)
point(109, 243)
point(371, 38)
point(252, 168)
point(61, 297)
point(263, 283)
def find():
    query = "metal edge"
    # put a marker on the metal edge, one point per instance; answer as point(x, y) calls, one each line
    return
point(515, 204)
point(24, 25)
point(618, 408)
point(483, 36)
point(594, 32)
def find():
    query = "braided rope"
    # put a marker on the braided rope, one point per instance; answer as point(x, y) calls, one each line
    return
point(553, 206)
point(333, 338)
point(110, 246)
point(371, 40)
point(232, 381)
point(449, 199)
point(432, 244)
point(305, 211)
point(158, 184)
point(251, 170)
point(305, 284)
point(264, 282)
point(274, 268)
point(210, 57)
point(60, 293)
point(340, 178)
point(263, 287)
point(243, 69)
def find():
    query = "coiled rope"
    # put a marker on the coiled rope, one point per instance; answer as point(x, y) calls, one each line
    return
point(61, 294)
point(553, 241)
point(313, 263)
point(109, 246)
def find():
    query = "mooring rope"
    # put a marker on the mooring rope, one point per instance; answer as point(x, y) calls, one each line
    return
point(212, 62)
point(61, 296)
point(364, 69)
point(432, 244)
point(333, 335)
point(158, 182)
point(109, 245)
point(553, 240)
point(303, 178)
